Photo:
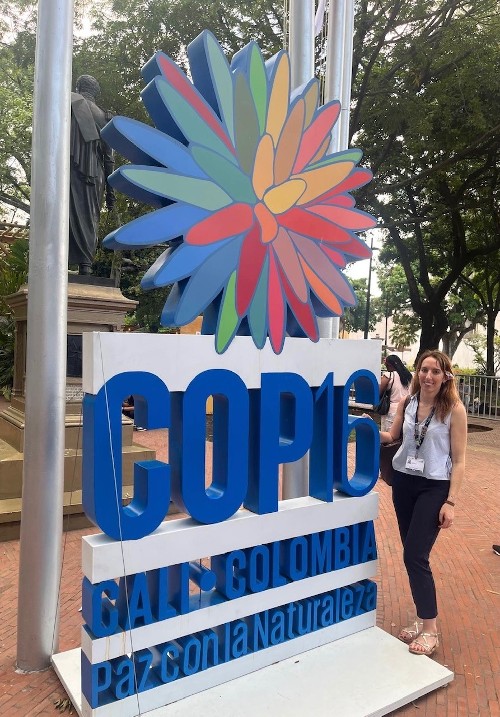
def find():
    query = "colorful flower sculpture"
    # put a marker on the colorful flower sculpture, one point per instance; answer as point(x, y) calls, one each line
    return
point(258, 213)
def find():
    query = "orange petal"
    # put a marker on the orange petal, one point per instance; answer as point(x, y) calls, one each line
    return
point(263, 175)
point(288, 144)
point(268, 224)
point(322, 179)
point(281, 199)
point(321, 290)
point(311, 97)
point(321, 151)
point(279, 99)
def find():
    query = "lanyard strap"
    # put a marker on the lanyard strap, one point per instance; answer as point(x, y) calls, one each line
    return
point(419, 434)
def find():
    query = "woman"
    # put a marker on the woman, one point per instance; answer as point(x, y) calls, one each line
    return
point(399, 379)
point(428, 473)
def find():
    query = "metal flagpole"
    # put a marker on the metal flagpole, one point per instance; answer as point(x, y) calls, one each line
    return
point(301, 44)
point(43, 476)
point(338, 87)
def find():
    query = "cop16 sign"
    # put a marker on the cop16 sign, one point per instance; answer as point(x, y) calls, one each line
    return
point(245, 579)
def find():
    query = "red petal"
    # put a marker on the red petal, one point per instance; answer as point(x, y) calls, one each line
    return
point(315, 134)
point(252, 257)
point(357, 178)
point(276, 307)
point(311, 225)
point(348, 218)
point(337, 257)
point(174, 75)
point(324, 268)
point(355, 248)
point(302, 312)
point(226, 222)
point(342, 200)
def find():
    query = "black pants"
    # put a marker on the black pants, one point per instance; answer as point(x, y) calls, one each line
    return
point(417, 502)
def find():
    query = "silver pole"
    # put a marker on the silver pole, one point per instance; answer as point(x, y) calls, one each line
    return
point(301, 41)
point(338, 87)
point(42, 504)
point(301, 44)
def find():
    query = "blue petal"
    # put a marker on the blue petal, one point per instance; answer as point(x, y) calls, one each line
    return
point(142, 144)
point(208, 281)
point(177, 263)
point(171, 304)
point(155, 228)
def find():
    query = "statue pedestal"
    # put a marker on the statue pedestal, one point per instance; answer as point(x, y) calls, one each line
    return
point(94, 304)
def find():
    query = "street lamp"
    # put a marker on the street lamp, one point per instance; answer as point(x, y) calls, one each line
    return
point(368, 289)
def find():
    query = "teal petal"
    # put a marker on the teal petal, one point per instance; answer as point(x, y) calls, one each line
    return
point(222, 82)
point(349, 155)
point(225, 174)
point(193, 126)
point(257, 313)
point(198, 192)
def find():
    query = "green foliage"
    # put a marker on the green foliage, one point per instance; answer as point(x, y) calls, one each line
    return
point(13, 273)
point(427, 118)
point(477, 343)
point(424, 110)
point(354, 317)
point(404, 330)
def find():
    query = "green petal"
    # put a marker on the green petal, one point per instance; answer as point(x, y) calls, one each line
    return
point(225, 174)
point(198, 192)
point(350, 155)
point(247, 133)
point(257, 314)
point(228, 318)
point(258, 86)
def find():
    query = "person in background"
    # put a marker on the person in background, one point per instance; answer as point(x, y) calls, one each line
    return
point(399, 379)
point(428, 473)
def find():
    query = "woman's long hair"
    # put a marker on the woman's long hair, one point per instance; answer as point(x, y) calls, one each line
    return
point(448, 394)
point(394, 363)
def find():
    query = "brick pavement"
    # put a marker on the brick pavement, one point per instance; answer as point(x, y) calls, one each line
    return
point(467, 574)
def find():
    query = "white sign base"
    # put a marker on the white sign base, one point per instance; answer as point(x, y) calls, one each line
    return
point(367, 674)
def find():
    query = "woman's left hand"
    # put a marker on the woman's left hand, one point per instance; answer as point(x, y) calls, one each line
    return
point(446, 515)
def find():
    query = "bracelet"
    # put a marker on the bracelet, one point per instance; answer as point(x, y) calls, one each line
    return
point(450, 502)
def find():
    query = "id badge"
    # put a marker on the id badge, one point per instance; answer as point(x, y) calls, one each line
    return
point(415, 464)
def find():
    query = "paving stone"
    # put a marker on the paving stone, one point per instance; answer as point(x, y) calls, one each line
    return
point(467, 575)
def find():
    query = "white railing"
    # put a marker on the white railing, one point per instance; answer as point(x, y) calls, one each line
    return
point(481, 395)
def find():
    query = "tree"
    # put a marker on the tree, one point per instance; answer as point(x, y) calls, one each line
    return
point(354, 317)
point(484, 280)
point(404, 330)
point(423, 110)
point(477, 343)
point(429, 123)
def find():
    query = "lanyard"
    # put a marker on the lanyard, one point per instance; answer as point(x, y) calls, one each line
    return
point(419, 434)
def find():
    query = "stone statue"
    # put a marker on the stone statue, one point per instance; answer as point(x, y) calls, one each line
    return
point(91, 164)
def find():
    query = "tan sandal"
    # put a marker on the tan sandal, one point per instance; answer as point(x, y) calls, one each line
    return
point(410, 633)
point(424, 648)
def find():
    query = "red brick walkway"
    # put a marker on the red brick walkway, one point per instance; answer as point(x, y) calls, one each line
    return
point(467, 574)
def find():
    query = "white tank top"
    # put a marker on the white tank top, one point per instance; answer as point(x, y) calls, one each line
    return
point(435, 450)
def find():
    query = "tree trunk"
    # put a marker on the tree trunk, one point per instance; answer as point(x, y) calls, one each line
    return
point(434, 326)
point(490, 343)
